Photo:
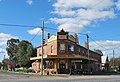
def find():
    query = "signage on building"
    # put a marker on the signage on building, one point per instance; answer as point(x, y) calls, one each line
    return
point(76, 61)
point(62, 36)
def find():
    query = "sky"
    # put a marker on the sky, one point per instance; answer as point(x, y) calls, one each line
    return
point(100, 19)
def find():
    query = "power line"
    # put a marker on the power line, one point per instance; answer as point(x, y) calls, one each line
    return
point(18, 25)
point(15, 25)
point(101, 45)
point(41, 26)
point(69, 32)
point(51, 28)
point(107, 35)
point(46, 28)
point(98, 44)
point(22, 26)
point(35, 35)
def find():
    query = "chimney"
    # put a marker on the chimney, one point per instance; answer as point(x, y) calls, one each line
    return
point(76, 38)
point(87, 42)
point(48, 35)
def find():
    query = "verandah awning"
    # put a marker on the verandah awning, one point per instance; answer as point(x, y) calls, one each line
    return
point(63, 57)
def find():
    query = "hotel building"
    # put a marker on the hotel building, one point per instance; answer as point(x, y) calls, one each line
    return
point(63, 54)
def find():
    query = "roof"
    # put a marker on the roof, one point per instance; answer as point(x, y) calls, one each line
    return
point(62, 32)
point(41, 46)
point(104, 59)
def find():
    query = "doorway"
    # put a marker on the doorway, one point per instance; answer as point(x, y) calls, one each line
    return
point(62, 68)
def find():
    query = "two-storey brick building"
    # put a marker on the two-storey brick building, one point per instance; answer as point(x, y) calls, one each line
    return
point(63, 54)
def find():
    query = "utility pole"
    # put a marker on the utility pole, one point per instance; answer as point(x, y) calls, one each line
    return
point(42, 47)
point(4, 57)
point(113, 61)
point(87, 38)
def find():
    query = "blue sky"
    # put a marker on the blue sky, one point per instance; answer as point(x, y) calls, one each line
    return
point(99, 18)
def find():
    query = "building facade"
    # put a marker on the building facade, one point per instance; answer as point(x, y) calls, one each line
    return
point(63, 54)
point(105, 63)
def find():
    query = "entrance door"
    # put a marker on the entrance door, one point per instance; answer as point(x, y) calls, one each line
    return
point(62, 68)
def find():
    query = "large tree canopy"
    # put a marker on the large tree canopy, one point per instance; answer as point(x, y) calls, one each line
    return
point(12, 45)
point(19, 53)
point(116, 61)
point(25, 50)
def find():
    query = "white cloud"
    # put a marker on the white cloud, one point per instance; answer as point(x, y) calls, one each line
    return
point(81, 13)
point(3, 53)
point(35, 31)
point(4, 37)
point(69, 26)
point(96, 4)
point(2, 50)
point(3, 42)
point(118, 5)
point(107, 46)
point(29, 2)
point(110, 53)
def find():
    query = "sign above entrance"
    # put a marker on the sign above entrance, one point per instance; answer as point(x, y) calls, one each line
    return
point(76, 61)
point(62, 61)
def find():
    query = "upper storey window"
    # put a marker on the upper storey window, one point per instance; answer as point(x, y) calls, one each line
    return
point(39, 52)
point(51, 49)
point(62, 47)
point(71, 48)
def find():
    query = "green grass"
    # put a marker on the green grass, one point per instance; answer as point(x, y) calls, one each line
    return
point(24, 71)
point(3, 70)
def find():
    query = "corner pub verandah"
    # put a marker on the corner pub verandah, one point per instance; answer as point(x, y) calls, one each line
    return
point(63, 54)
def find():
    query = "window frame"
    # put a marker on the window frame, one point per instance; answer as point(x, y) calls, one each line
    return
point(62, 48)
point(52, 49)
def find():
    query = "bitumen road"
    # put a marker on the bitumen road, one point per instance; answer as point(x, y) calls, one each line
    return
point(16, 77)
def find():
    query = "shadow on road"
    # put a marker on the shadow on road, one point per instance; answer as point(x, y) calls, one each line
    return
point(106, 73)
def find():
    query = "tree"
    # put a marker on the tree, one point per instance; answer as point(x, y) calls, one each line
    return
point(34, 52)
point(116, 62)
point(0, 65)
point(8, 64)
point(25, 50)
point(12, 46)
